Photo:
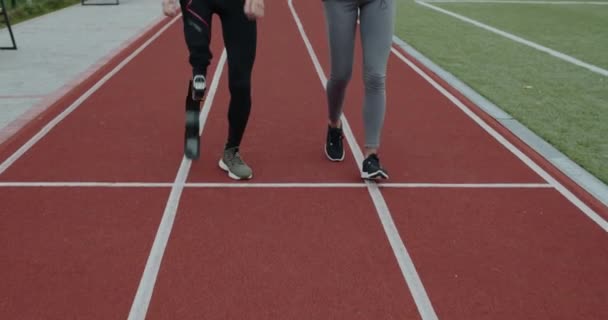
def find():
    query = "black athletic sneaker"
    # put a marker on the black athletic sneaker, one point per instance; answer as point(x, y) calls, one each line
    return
point(334, 148)
point(372, 168)
point(199, 84)
point(191, 135)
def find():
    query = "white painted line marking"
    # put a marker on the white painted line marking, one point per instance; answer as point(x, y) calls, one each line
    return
point(404, 260)
point(276, 185)
point(49, 126)
point(45, 184)
point(502, 140)
point(520, 2)
point(557, 54)
point(148, 279)
point(85, 184)
point(468, 185)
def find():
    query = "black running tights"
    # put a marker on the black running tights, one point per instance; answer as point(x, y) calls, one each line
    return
point(240, 38)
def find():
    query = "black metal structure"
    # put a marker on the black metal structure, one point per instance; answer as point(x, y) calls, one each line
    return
point(8, 25)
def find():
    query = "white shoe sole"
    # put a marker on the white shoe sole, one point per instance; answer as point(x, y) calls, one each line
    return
point(332, 159)
point(224, 167)
point(378, 175)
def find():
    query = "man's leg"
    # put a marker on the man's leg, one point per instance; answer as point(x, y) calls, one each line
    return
point(240, 39)
point(197, 33)
point(196, 15)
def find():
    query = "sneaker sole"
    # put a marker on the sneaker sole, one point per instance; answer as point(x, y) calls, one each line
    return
point(192, 148)
point(333, 159)
point(224, 167)
point(378, 175)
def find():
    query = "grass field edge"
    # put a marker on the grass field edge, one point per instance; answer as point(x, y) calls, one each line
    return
point(568, 172)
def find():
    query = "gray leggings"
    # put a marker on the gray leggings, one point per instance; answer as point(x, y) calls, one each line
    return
point(377, 19)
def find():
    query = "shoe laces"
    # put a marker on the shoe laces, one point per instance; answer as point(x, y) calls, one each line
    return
point(235, 157)
point(373, 159)
point(335, 135)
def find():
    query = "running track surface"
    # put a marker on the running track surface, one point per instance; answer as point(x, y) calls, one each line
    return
point(102, 218)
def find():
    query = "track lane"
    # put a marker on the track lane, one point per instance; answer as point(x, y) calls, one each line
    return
point(130, 129)
point(418, 123)
point(504, 254)
point(279, 252)
point(286, 131)
point(74, 253)
point(265, 256)
point(321, 215)
point(443, 256)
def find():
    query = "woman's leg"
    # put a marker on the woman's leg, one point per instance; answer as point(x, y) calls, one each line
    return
point(341, 17)
point(377, 27)
point(341, 22)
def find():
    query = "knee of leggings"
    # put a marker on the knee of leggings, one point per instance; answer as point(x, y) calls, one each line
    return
point(240, 87)
point(374, 81)
point(340, 79)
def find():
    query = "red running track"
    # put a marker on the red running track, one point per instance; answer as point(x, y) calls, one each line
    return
point(268, 249)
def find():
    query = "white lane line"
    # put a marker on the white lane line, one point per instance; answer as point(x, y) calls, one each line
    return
point(404, 260)
point(557, 54)
point(85, 184)
point(49, 126)
point(139, 308)
point(276, 185)
point(502, 140)
point(520, 2)
point(467, 185)
point(44, 184)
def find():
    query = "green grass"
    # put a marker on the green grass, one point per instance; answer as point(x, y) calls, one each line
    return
point(564, 104)
point(577, 30)
point(24, 12)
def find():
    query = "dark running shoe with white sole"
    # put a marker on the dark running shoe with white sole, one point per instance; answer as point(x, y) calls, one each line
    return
point(334, 146)
point(191, 135)
point(372, 170)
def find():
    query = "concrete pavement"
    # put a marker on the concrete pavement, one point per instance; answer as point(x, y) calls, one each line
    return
point(58, 49)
